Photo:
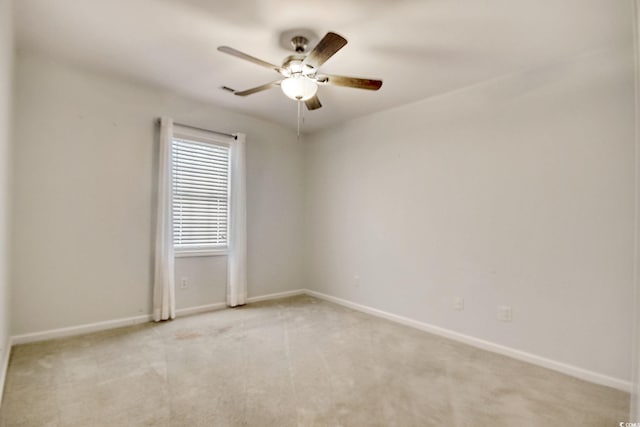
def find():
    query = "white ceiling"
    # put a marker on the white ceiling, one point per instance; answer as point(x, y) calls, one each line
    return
point(420, 48)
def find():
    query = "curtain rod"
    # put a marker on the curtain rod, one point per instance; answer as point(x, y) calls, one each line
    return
point(203, 129)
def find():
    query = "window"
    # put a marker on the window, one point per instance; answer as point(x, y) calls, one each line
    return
point(200, 169)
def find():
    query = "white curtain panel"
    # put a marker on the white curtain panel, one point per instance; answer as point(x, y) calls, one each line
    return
point(237, 268)
point(164, 301)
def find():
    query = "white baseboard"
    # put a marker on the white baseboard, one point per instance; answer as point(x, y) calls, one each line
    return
point(564, 368)
point(221, 305)
point(277, 295)
point(117, 323)
point(200, 309)
point(5, 365)
point(79, 330)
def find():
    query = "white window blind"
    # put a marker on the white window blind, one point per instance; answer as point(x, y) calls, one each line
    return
point(200, 195)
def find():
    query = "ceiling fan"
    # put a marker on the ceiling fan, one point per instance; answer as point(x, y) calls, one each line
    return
point(300, 71)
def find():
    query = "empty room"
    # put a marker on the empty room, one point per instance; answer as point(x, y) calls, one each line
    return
point(338, 213)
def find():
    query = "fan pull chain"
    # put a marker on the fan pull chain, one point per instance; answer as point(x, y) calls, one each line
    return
point(299, 117)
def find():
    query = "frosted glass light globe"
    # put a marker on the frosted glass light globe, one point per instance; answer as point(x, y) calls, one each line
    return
point(299, 88)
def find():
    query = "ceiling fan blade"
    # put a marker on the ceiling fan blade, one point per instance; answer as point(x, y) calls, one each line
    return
point(241, 55)
point(313, 103)
point(257, 88)
point(354, 82)
point(325, 49)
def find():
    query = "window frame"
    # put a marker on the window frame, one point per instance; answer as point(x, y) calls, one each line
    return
point(200, 136)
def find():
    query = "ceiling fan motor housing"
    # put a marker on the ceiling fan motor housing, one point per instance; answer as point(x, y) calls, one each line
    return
point(293, 65)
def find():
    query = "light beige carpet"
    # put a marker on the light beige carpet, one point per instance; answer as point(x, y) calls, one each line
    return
point(291, 362)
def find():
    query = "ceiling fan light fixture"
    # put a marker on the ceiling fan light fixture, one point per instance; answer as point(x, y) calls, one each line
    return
point(299, 88)
point(299, 79)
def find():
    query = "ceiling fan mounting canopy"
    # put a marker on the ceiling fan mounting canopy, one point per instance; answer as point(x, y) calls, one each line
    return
point(299, 44)
point(299, 70)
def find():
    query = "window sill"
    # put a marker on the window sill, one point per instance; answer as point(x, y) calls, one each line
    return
point(197, 253)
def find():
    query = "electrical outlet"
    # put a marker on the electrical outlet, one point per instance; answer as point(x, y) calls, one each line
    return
point(505, 313)
point(458, 303)
point(356, 281)
point(184, 283)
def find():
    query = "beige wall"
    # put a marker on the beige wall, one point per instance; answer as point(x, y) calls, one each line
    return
point(515, 192)
point(84, 196)
point(6, 60)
